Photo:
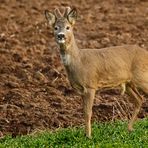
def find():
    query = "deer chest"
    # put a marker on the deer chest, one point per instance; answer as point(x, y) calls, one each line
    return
point(66, 59)
point(75, 79)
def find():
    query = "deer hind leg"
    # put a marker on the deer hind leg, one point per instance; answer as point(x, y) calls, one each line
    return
point(141, 80)
point(88, 99)
point(144, 87)
point(133, 92)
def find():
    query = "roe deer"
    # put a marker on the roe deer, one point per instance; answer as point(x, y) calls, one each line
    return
point(92, 69)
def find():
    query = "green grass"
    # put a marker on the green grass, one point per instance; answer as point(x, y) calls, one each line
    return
point(105, 135)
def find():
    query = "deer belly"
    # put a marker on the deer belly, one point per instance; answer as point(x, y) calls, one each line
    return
point(112, 81)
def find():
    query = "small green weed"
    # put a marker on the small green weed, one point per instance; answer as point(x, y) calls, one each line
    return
point(105, 135)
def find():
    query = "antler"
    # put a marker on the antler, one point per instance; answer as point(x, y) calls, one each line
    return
point(67, 10)
point(57, 13)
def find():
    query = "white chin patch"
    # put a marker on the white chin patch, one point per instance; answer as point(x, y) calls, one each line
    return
point(61, 41)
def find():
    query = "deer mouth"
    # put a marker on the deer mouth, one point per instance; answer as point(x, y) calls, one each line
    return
point(61, 41)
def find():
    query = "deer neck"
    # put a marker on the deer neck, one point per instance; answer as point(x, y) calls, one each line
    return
point(69, 52)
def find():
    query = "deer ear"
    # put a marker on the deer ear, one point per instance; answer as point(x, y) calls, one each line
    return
point(72, 16)
point(51, 18)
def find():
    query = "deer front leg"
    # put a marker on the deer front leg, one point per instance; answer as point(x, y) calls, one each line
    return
point(88, 99)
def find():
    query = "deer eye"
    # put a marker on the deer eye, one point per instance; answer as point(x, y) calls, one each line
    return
point(67, 28)
point(56, 28)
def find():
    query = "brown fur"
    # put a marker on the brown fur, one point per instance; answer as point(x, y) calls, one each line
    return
point(92, 69)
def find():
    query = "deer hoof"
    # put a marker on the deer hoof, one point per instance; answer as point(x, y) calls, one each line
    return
point(89, 136)
point(130, 128)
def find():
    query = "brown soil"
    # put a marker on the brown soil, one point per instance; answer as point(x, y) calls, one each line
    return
point(34, 90)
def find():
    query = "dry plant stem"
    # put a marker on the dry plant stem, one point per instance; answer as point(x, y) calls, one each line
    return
point(121, 109)
point(127, 108)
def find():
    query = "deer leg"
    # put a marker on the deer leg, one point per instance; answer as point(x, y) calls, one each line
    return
point(88, 99)
point(133, 92)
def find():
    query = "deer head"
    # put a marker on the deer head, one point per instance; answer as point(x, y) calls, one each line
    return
point(62, 24)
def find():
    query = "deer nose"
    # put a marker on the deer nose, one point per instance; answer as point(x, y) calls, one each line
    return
point(61, 36)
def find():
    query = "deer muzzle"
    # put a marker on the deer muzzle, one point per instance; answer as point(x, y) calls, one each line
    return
point(61, 38)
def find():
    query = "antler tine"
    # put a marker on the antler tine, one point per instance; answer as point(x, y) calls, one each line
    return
point(57, 13)
point(67, 10)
